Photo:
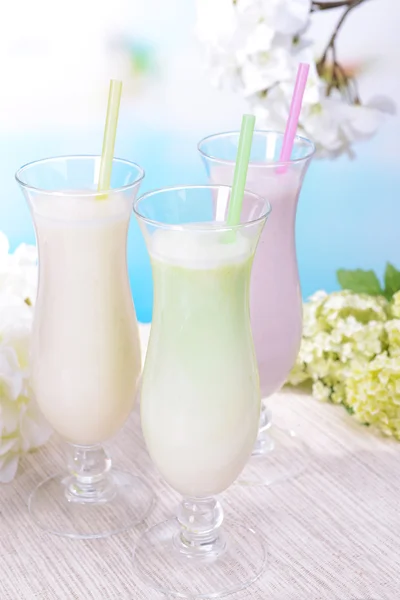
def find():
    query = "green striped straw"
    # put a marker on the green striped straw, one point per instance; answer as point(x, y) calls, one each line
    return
point(241, 167)
point(110, 133)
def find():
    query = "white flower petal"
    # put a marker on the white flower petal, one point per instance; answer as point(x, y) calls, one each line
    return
point(361, 120)
point(17, 335)
point(263, 71)
point(24, 255)
point(20, 281)
point(290, 16)
point(260, 40)
point(9, 444)
point(11, 378)
point(10, 416)
point(22, 427)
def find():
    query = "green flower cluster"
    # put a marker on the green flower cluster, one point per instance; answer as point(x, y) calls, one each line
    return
point(350, 355)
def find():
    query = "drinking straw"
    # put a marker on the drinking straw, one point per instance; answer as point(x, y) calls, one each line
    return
point(294, 112)
point(241, 166)
point(110, 132)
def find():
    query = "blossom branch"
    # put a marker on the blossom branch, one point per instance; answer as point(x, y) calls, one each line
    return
point(320, 5)
point(339, 78)
point(351, 4)
point(261, 70)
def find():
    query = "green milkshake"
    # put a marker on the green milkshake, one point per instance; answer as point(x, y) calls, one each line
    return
point(200, 393)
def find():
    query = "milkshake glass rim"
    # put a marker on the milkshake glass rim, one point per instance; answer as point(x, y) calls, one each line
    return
point(185, 226)
point(71, 193)
point(257, 132)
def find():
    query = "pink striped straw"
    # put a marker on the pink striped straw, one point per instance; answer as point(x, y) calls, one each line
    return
point(294, 112)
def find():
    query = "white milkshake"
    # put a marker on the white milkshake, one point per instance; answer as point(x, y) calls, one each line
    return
point(200, 397)
point(85, 344)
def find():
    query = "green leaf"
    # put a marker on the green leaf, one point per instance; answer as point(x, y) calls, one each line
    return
point(392, 280)
point(359, 282)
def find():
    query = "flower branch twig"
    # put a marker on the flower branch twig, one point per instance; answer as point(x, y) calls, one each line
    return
point(320, 5)
point(255, 48)
point(351, 4)
point(338, 77)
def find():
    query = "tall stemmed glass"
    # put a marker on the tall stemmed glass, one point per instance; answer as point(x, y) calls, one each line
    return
point(85, 354)
point(200, 398)
point(275, 295)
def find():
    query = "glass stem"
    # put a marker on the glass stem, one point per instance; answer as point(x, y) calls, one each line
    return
point(89, 480)
point(200, 520)
point(264, 442)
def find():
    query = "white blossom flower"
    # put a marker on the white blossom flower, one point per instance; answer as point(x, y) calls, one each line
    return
point(334, 125)
point(288, 17)
point(261, 71)
point(22, 427)
point(248, 43)
point(255, 46)
point(331, 123)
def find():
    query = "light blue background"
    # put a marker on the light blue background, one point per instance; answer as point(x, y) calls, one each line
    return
point(348, 212)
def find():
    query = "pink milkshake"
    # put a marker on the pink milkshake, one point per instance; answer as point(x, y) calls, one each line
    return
point(275, 297)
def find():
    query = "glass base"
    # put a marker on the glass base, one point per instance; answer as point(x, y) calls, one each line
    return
point(278, 455)
point(165, 564)
point(127, 501)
